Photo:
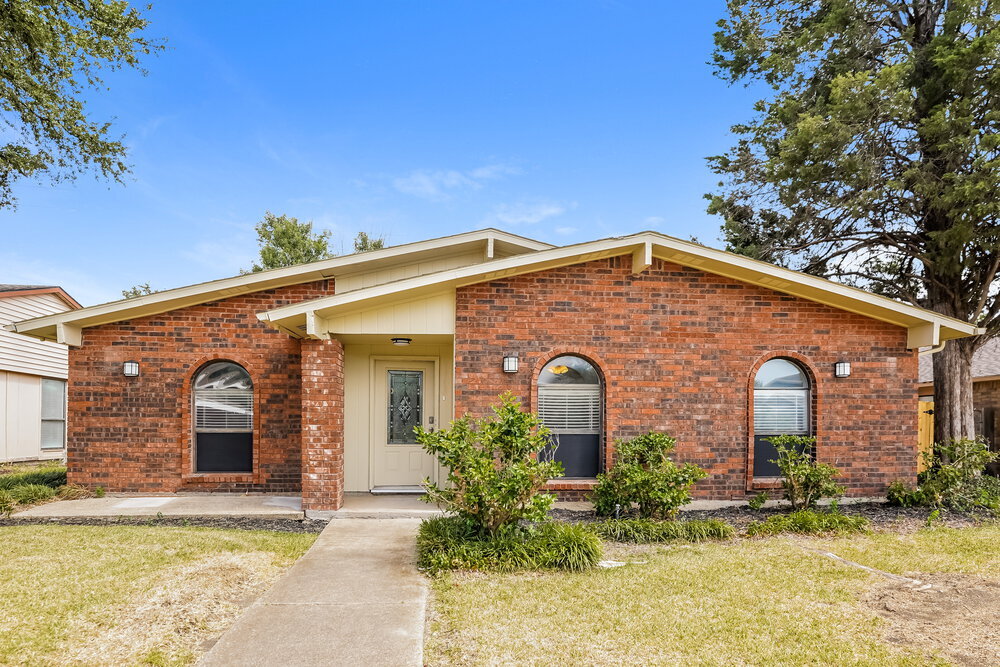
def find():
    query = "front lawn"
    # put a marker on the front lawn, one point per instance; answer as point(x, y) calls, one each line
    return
point(767, 601)
point(129, 594)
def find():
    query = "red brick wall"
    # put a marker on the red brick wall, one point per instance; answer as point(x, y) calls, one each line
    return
point(678, 347)
point(135, 435)
point(323, 424)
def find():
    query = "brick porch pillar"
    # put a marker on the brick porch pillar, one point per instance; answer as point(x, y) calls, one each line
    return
point(322, 424)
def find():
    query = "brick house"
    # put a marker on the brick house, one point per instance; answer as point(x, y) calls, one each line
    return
point(310, 378)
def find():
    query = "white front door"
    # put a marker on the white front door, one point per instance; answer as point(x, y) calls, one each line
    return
point(405, 397)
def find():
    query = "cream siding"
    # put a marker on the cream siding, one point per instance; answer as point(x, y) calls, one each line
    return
point(356, 281)
point(431, 315)
point(21, 423)
point(358, 358)
point(23, 354)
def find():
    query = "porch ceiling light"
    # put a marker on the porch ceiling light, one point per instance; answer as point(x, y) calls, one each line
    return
point(401, 341)
point(130, 369)
point(510, 363)
point(842, 369)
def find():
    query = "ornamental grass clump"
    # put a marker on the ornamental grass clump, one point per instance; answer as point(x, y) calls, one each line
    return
point(644, 476)
point(52, 476)
point(647, 531)
point(804, 479)
point(809, 522)
point(497, 467)
point(26, 494)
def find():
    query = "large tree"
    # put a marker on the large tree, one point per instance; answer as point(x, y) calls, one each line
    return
point(284, 241)
point(51, 53)
point(874, 157)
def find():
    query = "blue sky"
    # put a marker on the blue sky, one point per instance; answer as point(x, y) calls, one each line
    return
point(562, 121)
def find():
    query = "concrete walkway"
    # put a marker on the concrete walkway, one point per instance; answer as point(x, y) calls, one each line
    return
point(355, 598)
point(199, 505)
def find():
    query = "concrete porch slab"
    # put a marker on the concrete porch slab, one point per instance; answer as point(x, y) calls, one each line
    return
point(189, 506)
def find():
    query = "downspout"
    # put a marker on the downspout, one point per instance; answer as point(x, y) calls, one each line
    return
point(933, 350)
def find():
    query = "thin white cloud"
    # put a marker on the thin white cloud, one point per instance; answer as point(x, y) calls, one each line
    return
point(566, 231)
point(654, 221)
point(82, 286)
point(225, 258)
point(527, 212)
point(440, 185)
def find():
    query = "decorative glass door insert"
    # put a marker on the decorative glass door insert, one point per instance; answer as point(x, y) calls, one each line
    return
point(405, 409)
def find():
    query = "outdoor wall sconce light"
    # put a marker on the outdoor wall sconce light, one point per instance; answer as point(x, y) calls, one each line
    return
point(401, 341)
point(510, 363)
point(130, 369)
point(842, 369)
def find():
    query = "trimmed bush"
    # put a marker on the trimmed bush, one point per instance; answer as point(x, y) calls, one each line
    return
point(644, 475)
point(7, 503)
point(953, 479)
point(72, 492)
point(647, 531)
point(53, 477)
point(900, 494)
point(449, 543)
point(26, 494)
point(803, 478)
point(808, 522)
point(496, 468)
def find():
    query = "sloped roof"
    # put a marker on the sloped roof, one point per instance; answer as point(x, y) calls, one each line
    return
point(985, 363)
point(8, 290)
point(925, 327)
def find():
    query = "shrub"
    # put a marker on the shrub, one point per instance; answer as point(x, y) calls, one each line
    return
point(953, 479)
point(644, 475)
point(804, 479)
point(646, 531)
point(496, 467)
point(757, 502)
point(7, 503)
point(72, 492)
point(53, 476)
point(26, 494)
point(450, 543)
point(808, 522)
point(98, 491)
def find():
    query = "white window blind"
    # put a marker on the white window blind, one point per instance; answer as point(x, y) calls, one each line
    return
point(570, 408)
point(53, 414)
point(780, 411)
point(223, 409)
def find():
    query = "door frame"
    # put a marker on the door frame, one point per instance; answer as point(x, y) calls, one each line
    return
point(373, 418)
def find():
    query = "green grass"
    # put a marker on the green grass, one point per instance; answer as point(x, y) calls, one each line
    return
point(808, 522)
point(647, 531)
point(62, 586)
point(46, 474)
point(764, 601)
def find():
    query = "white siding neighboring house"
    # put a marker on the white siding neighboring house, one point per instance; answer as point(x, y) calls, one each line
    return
point(32, 377)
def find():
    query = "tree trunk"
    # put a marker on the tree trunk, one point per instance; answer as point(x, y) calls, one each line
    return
point(953, 409)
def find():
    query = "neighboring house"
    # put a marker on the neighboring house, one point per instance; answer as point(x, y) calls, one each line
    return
point(32, 377)
point(311, 378)
point(985, 393)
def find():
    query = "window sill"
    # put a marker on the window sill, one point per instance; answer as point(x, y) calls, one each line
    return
point(218, 477)
point(765, 483)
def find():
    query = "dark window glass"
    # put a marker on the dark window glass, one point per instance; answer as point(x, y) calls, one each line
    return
point(223, 418)
point(405, 390)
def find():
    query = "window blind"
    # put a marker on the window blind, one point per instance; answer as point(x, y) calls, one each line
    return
point(570, 409)
point(780, 411)
point(223, 409)
point(53, 414)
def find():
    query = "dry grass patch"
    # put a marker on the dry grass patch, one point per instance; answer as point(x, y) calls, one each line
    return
point(748, 602)
point(128, 594)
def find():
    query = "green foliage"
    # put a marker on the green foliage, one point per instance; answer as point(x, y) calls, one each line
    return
point(365, 243)
point(646, 531)
point(98, 491)
point(496, 467)
point(72, 492)
point(54, 53)
point(450, 543)
point(757, 502)
point(875, 156)
point(141, 289)
point(954, 479)
point(803, 478)
point(54, 476)
point(26, 494)
point(8, 503)
point(643, 474)
point(808, 522)
point(284, 241)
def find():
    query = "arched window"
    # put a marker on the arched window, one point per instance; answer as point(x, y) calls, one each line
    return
point(781, 406)
point(223, 418)
point(569, 402)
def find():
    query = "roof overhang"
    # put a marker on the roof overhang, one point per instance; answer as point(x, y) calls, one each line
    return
point(924, 327)
point(58, 291)
point(67, 327)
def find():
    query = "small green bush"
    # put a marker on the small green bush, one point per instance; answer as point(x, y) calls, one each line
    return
point(53, 476)
point(647, 531)
point(449, 543)
point(98, 491)
point(808, 522)
point(804, 479)
point(7, 503)
point(496, 468)
point(757, 502)
point(901, 494)
point(644, 475)
point(953, 479)
point(26, 494)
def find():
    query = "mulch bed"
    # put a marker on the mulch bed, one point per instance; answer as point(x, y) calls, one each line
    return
point(237, 523)
point(881, 516)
